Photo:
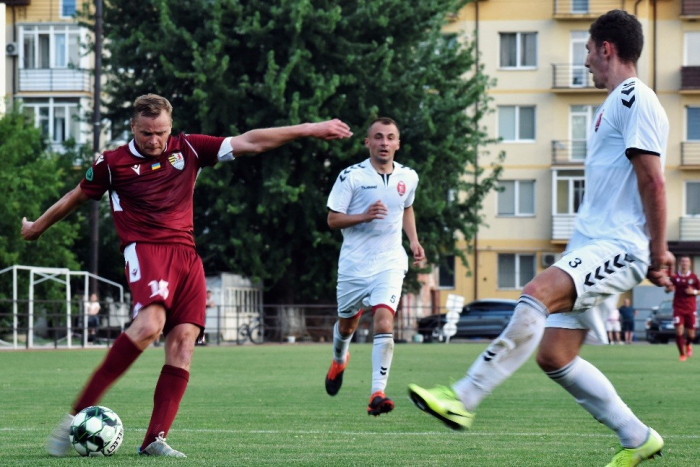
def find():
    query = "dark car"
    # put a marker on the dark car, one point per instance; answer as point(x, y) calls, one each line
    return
point(659, 325)
point(480, 318)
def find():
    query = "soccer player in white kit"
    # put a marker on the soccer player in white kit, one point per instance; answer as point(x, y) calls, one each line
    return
point(371, 202)
point(619, 238)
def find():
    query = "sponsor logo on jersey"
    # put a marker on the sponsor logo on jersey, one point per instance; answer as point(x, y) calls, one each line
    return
point(155, 166)
point(89, 175)
point(627, 89)
point(136, 168)
point(597, 122)
point(372, 187)
point(401, 188)
point(177, 160)
point(100, 159)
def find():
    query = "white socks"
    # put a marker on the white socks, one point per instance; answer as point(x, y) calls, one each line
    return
point(506, 353)
point(594, 392)
point(340, 345)
point(382, 353)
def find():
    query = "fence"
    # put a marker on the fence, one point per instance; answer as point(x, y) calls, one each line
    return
point(49, 326)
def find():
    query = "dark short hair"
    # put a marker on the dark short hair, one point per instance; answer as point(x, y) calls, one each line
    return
point(622, 30)
point(151, 105)
point(383, 121)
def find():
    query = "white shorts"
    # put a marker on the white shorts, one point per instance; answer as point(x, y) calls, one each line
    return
point(383, 288)
point(601, 270)
point(612, 326)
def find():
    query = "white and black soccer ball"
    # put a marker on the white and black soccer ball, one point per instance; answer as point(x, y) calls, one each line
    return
point(96, 431)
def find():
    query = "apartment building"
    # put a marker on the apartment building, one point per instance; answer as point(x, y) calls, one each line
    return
point(47, 68)
point(544, 101)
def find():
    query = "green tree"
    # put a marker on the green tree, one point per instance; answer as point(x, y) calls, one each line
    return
point(31, 180)
point(233, 65)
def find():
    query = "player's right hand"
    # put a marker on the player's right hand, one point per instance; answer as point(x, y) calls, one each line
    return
point(376, 210)
point(661, 265)
point(331, 129)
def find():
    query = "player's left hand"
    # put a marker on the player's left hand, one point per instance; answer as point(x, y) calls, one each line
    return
point(418, 253)
point(330, 129)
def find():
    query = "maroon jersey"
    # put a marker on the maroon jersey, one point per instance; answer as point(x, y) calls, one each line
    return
point(152, 197)
point(682, 302)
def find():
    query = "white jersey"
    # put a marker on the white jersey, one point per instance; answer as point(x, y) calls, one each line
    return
point(372, 247)
point(630, 118)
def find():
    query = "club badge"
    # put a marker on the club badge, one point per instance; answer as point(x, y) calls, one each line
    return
point(177, 160)
point(401, 188)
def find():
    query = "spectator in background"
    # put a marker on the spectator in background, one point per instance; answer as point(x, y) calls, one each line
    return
point(211, 305)
point(627, 315)
point(612, 325)
point(684, 285)
point(93, 311)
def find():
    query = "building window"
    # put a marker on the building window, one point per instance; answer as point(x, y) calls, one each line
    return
point(692, 198)
point(570, 186)
point(50, 46)
point(516, 123)
point(515, 270)
point(581, 118)
point(446, 273)
point(68, 8)
point(579, 72)
point(518, 50)
point(579, 6)
point(692, 49)
point(517, 198)
point(58, 119)
point(693, 122)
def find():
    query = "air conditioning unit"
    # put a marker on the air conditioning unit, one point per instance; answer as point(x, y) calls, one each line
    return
point(549, 258)
point(12, 49)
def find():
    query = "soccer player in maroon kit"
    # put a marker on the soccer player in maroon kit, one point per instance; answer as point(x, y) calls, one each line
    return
point(151, 183)
point(685, 287)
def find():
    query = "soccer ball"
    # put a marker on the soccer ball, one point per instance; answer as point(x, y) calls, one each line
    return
point(96, 431)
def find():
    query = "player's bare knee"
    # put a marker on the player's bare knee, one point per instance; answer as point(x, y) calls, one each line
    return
point(347, 327)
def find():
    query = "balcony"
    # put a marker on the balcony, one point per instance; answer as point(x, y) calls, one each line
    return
point(690, 228)
point(584, 9)
point(567, 78)
point(690, 155)
point(690, 9)
point(568, 152)
point(690, 78)
point(54, 79)
point(562, 227)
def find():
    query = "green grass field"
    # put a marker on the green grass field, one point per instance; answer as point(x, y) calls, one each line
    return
point(266, 405)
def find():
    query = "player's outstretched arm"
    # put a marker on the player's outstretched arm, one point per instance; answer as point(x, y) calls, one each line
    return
point(261, 140)
point(60, 209)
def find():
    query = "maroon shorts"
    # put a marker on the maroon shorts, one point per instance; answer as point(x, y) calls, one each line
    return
point(171, 275)
point(684, 319)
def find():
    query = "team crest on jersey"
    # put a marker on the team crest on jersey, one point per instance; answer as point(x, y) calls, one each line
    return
point(177, 160)
point(597, 122)
point(401, 188)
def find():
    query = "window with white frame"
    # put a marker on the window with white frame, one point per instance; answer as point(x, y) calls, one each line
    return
point(693, 124)
point(515, 270)
point(692, 49)
point(579, 6)
point(580, 120)
point(579, 72)
point(446, 273)
point(517, 198)
point(569, 191)
point(518, 50)
point(68, 8)
point(692, 198)
point(50, 46)
point(516, 123)
point(57, 118)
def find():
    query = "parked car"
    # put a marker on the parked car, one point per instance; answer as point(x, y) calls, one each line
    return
point(659, 325)
point(480, 318)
